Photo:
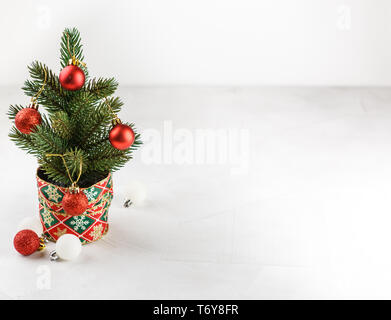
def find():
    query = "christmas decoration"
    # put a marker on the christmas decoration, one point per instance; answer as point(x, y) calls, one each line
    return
point(68, 247)
point(26, 242)
point(31, 223)
point(74, 202)
point(27, 118)
point(121, 136)
point(90, 226)
point(72, 77)
point(75, 125)
point(135, 194)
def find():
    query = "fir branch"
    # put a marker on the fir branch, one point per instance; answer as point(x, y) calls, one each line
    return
point(61, 125)
point(110, 159)
point(100, 119)
point(48, 141)
point(53, 97)
point(114, 102)
point(75, 47)
point(37, 72)
point(23, 141)
point(101, 87)
point(55, 170)
point(80, 107)
point(75, 158)
point(13, 110)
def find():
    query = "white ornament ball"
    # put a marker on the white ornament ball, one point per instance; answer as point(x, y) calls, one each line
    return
point(136, 192)
point(31, 223)
point(68, 247)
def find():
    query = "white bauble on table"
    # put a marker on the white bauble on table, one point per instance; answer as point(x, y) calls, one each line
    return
point(68, 247)
point(135, 194)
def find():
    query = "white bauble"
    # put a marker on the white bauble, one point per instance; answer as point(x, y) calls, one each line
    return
point(31, 223)
point(68, 247)
point(136, 192)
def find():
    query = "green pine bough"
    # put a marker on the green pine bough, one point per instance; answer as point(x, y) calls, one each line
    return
point(75, 124)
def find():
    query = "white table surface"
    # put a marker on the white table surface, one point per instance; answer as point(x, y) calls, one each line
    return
point(310, 219)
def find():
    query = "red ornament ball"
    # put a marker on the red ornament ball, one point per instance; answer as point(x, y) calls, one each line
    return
point(26, 119)
point(121, 136)
point(72, 78)
point(26, 242)
point(75, 203)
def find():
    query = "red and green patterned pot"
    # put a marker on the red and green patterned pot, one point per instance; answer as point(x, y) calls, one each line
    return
point(90, 226)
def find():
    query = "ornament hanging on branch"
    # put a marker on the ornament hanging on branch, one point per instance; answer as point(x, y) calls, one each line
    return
point(28, 118)
point(75, 201)
point(26, 242)
point(72, 77)
point(121, 136)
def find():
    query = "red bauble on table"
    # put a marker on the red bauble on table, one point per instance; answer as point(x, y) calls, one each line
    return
point(26, 119)
point(74, 203)
point(26, 242)
point(72, 78)
point(121, 136)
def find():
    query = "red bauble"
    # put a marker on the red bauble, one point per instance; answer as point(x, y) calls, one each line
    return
point(72, 78)
point(26, 119)
point(26, 242)
point(74, 203)
point(121, 136)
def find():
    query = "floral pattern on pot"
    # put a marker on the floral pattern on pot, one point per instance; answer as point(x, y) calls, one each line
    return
point(90, 226)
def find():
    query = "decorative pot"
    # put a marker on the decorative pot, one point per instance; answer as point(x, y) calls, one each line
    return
point(89, 226)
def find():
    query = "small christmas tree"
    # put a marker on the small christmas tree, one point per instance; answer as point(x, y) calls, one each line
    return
point(80, 125)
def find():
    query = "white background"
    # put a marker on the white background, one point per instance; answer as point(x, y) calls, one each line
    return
point(311, 217)
point(207, 42)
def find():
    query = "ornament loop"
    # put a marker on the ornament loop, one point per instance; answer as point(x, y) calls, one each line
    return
point(42, 245)
point(127, 203)
point(116, 121)
point(74, 188)
point(53, 255)
point(33, 105)
point(73, 60)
